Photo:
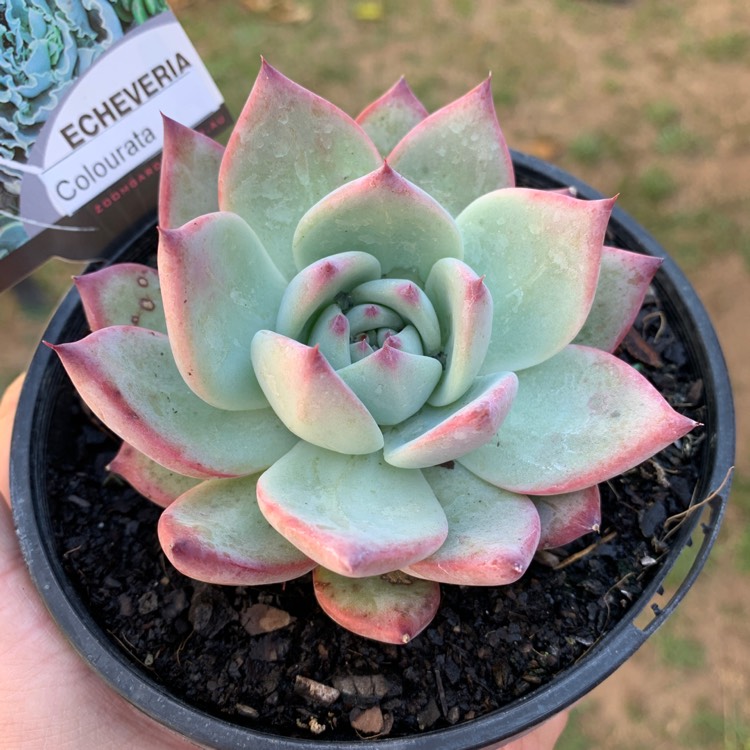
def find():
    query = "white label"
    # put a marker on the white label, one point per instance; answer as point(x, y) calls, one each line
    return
point(111, 121)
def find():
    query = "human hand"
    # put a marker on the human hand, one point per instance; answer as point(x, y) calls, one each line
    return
point(48, 696)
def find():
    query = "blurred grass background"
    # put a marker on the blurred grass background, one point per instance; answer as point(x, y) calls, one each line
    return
point(645, 98)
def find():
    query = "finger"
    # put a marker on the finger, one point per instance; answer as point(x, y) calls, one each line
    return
point(544, 737)
point(8, 406)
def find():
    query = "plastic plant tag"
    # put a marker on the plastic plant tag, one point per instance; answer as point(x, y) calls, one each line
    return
point(83, 86)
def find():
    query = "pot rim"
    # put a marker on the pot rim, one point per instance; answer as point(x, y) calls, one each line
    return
point(504, 724)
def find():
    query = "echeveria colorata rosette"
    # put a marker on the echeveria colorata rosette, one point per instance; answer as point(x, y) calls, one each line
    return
point(394, 373)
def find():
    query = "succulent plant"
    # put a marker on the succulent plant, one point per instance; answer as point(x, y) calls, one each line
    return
point(392, 372)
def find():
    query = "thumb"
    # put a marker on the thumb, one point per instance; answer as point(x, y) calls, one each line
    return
point(8, 405)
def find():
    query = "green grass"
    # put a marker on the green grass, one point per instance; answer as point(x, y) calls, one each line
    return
point(711, 730)
point(662, 112)
point(680, 652)
point(732, 47)
point(574, 737)
point(741, 498)
point(656, 184)
point(675, 139)
point(592, 148)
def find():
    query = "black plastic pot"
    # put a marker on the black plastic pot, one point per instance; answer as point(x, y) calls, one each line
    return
point(33, 518)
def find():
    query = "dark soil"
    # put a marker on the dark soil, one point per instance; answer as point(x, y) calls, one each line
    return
point(485, 648)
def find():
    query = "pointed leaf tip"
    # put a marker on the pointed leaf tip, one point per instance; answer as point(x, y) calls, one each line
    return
point(153, 481)
point(608, 419)
point(567, 517)
point(476, 157)
point(392, 608)
point(624, 279)
point(313, 148)
point(389, 118)
point(188, 183)
point(383, 214)
point(128, 378)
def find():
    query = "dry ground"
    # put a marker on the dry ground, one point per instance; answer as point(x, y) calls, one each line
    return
point(648, 98)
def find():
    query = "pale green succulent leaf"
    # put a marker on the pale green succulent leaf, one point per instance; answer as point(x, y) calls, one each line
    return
point(457, 153)
point(392, 384)
point(310, 398)
point(493, 533)
point(217, 534)
point(569, 516)
point(370, 317)
point(189, 175)
point(623, 282)
point(464, 308)
point(318, 285)
point(358, 350)
point(540, 253)
point(355, 515)
point(384, 215)
point(155, 482)
point(219, 287)
point(435, 435)
point(579, 419)
point(288, 150)
point(122, 294)
point(331, 335)
point(409, 301)
point(128, 378)
point(392, 608)
point(407, 340)
point(390, 117)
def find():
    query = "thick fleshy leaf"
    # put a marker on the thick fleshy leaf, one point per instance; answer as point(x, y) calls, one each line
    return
point(219, 288)
point(580, 418)
point(388, 119)
point(217, 534)
point(540, 253)
point(392, 384)
point(318, 284)
point(438, 434)
point(360, 349)
point(370, 317)
point(288, 149)
point(493, 534)
point(355, 515)
point(152, 480)
point(122, 294)
point(458, 153)
point(464, 308)
point(331, 335)
point(392, 608)
point(188, 183)
point(623, 283)
point(409, 301)
point(407, 340)
point(129, 379)
point(567, 517)
point(310, 398)
point(382, 214)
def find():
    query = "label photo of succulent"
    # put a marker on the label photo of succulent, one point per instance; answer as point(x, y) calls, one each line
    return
point(45, 47)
